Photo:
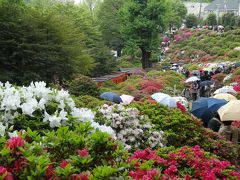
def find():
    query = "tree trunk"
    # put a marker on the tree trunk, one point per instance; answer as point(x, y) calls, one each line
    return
point(119, 52)
point(145, 58)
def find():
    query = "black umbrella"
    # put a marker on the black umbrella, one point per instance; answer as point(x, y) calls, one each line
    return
point(206, 83)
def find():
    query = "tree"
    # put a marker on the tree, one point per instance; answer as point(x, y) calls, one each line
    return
point(39, 45)
point(143, 21)
point(110, 23)
point(176, 14)
point(229, 20)
point(191, 21)
point(212, 19)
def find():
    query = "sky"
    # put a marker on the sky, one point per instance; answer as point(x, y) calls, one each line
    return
point(77, 1)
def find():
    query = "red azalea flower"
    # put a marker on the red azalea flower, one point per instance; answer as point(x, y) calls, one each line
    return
point(3, 170)
point(50, 171)
point(19, 164)
point(64, 163)
point(83, 153)
point(15, 142)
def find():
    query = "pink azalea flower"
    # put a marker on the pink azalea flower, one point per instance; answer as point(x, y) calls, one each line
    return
point(83, 153)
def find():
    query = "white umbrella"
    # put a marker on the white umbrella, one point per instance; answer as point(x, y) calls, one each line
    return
point(126, 99)
point(237, 48)
point(165, 100)
point(225, 89)
point(192, 79)
point(230, 111)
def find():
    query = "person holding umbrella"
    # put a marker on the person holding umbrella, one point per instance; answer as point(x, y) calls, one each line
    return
point(228, 113)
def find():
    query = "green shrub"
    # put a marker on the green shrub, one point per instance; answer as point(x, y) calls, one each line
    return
point(83, 85)
point(87, 102)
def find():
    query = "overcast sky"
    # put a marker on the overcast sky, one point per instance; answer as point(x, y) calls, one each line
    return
point(77, 1)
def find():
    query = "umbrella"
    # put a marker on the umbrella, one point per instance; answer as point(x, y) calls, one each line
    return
point(165, 99)
point(206, 83)
point(192, 79)
point(200, 110)
point(181, 100)
point(126, 99)
point(110, 96)
point(215, 104)
point(207, 69)
point(225, 89)
point(230, 111)
point(225, 96)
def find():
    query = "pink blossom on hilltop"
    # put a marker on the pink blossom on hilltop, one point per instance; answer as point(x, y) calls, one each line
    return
point(83, 153)
point(15, 142)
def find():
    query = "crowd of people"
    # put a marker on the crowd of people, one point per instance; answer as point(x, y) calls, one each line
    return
point(204, 87)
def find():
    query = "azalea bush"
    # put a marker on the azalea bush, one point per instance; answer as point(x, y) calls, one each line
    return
point(132, 129)
point(83, 85)
point(143, 85)
point(61, 154)
point(39, 108)
point(181, 129)
point(185, 163)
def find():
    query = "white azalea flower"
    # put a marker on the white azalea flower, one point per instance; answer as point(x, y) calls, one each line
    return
point(63, 115)
point(61, 95)
point(13, 134)
point(42, 103)
point(2, 129)
point(46, 116)
point(54, 121)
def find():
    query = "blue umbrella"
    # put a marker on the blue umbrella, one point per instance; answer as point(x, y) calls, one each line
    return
point(200, 110)
point(214, 104)
point(110, 96)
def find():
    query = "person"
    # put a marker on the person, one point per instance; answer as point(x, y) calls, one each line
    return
point(215, 123)
point(186, 93)
point(229, 132)
point(187, 73)
point(194, 90)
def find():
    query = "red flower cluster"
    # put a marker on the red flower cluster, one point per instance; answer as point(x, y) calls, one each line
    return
point(4, 174)
point(150, 86)
point(81, 176)
point(191, 160)
point(83, 153)
point(15, 142)
point(237, 87)
point(64, 163)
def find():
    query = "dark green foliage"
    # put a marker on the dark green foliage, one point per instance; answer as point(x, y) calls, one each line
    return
point(39, 45)
point(83, 85)
point(229, 20)
point(143, 21)
point(111, 23)
point(88, 102)
point(212, 19)
point(191, 21)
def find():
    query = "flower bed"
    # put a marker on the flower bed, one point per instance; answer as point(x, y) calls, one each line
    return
point(61, 154)
point(182, 130)
point(187, 163)
point(132, 129)
point(39, 107)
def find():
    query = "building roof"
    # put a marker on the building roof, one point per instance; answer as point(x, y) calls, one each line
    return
point(224, 5)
